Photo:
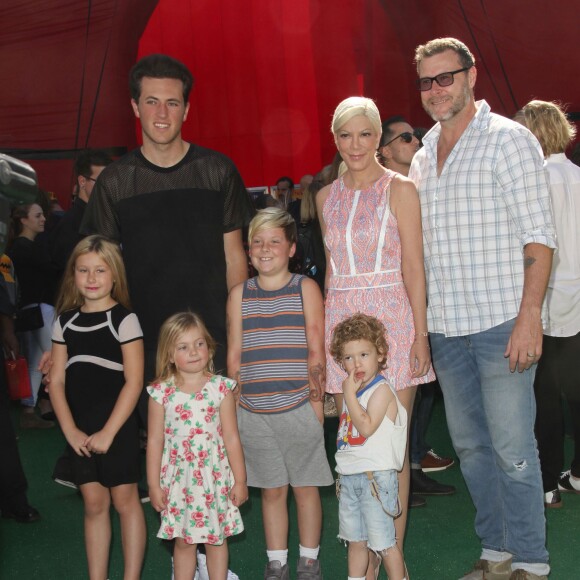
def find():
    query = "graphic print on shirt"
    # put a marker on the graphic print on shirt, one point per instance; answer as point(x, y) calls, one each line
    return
point(348, 435)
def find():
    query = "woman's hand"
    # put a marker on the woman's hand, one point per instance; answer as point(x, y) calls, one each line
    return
point(239, 493)
point(99, 442)
point(420, 357)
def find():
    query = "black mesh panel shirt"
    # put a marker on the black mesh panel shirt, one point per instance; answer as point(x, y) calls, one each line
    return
point(170, 223)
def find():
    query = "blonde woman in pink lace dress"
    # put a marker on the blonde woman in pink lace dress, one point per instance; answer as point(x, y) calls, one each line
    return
point(371, 222)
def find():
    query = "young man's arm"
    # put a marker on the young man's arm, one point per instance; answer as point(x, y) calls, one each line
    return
point(236, 260)
point(314, 322)
point(234, 332)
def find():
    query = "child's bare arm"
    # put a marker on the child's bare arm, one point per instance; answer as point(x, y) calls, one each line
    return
point(314, 321)
point(366, 422)
point(234, 332)
point(231, 435)
point(75, 437)
point(100, 441)
point(155, 442)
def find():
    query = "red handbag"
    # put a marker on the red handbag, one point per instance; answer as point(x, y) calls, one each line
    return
point(18, 378)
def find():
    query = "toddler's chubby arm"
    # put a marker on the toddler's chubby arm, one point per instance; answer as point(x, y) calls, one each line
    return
point(231, 435)
point(379, 405)
point(234, 331)
point(155, 441)
point(314, 321)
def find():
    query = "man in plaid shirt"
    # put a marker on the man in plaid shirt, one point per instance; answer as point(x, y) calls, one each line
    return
point(489, 240)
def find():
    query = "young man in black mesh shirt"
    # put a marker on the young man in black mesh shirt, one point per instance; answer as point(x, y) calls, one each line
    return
point(178, 210)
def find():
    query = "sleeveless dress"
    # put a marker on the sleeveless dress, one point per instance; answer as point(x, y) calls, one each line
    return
point(362, 237)
point(195, 471)
point(94, 378)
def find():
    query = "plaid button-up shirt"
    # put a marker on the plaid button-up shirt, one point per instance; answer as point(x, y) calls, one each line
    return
point(490, 200)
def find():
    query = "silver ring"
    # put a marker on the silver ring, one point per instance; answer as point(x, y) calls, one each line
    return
point(531, 355)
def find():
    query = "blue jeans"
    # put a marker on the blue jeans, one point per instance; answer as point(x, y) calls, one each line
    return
point(362, 516)
point(490, 415)
point(419, 422)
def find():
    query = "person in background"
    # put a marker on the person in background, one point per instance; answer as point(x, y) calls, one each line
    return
point(557, 373)
point(13, 485)
point(488, 239)
point(62, 240)
point(397, 148)
point(36, 282)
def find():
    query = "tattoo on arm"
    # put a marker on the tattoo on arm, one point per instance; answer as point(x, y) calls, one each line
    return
point(316, 382)
point(528, 261)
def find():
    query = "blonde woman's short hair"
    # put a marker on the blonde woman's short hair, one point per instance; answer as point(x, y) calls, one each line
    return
point(273, 217)
point(353, 107)
point(548, 122)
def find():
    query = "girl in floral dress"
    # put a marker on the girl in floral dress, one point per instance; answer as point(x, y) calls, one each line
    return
point(195, 463)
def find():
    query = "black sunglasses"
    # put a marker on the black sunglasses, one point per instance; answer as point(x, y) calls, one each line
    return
point(406, 137)
point(443, 80)
point(89, 178)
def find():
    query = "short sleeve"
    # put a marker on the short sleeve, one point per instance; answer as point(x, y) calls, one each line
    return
point(226, 386)
point(100, 217)
point(57, 334)
point(130, 329)
point(156, 392)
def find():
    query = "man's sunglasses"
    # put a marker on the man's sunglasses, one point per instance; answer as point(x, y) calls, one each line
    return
point(406, 137)
point(443, 80)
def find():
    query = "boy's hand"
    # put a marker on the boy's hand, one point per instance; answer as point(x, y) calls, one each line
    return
point(351, 384)
point(239, 493)
point(158, 498)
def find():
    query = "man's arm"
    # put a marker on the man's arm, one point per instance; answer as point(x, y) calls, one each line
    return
point(525, 344)
point(236, 260)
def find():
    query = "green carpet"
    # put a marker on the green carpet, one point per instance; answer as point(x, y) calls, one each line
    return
point(440, 544)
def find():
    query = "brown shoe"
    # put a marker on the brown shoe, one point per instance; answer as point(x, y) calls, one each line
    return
point(434, 462)
point(33, 421)
point(484, 569)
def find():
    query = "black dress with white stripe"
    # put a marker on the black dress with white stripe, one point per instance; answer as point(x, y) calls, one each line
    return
point(94, 379)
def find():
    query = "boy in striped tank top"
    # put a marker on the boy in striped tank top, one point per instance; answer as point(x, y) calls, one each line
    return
point(276, 353)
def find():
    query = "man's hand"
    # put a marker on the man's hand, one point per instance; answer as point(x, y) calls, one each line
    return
point(524, 347)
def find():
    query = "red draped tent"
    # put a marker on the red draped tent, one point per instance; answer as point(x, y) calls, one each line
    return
point(268, 72)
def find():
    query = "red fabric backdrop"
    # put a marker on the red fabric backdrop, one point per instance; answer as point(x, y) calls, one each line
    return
point(268, 72)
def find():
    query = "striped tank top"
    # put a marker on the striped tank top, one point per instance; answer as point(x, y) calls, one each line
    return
point(274, 370)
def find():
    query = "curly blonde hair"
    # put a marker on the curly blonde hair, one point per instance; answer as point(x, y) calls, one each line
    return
point(359, 327)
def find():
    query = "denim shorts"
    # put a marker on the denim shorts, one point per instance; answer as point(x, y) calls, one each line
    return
point(363, 517)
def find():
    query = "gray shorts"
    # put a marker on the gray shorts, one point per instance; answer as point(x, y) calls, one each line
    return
point(284, 448)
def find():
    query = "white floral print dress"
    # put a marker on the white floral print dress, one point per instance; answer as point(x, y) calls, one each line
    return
point(195, 472)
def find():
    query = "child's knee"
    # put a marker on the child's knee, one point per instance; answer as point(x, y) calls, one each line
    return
point(275, 494)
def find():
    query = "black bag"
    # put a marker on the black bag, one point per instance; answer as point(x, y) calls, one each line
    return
point(27, 319)
point(310, 252)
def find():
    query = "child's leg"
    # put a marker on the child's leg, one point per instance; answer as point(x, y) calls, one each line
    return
point(309, 510)
point(217, 561)
point(97, 501)
point(128, 506)
point(394, 563)
point(184, 560)
point(358, 559)
point(275, 516)
point(407, 398)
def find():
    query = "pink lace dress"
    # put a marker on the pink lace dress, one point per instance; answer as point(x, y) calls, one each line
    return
point(365, 260)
